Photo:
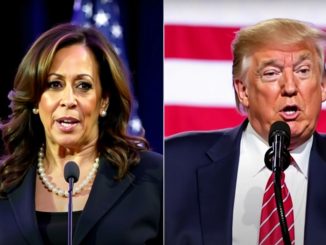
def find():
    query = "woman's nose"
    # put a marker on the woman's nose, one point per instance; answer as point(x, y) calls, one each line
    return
point(68, 97)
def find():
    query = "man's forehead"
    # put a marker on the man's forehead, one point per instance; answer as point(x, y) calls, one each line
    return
point(304, 46)
point(275, 56)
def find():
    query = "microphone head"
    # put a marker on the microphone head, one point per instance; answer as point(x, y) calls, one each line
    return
point(281, 128)
point(71, 170)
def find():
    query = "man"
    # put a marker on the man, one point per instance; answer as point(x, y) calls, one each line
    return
point(215, 181)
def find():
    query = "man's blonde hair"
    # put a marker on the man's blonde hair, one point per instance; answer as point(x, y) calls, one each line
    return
point(278, 31)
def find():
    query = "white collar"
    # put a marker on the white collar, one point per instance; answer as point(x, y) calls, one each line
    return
point(255, 147)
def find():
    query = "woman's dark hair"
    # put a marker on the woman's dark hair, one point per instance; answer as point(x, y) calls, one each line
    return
point(23, 132)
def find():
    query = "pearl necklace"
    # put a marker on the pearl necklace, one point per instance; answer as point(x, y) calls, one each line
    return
point(52, 187)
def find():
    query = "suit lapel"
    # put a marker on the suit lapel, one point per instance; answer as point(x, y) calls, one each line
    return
point(105, 193)
point(315, 225)
point(216, 188)
point(22, 201)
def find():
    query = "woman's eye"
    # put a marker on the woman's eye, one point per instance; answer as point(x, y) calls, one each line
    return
point(84, 86)
point(54, 84)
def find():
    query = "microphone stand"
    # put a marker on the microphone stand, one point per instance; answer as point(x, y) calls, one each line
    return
point(277, 167)
point(71, 184)
point(71, 174)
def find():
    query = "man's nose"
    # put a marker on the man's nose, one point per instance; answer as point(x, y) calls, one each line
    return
point(289, 83)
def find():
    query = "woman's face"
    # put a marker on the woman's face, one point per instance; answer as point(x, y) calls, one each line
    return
point(71, 103)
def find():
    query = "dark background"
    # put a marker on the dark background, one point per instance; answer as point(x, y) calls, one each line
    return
point(23, 21)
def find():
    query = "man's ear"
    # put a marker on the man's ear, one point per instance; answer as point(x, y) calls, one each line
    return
point(323, 88)
point(242, 92)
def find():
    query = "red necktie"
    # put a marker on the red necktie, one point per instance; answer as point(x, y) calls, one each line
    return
point(270, 229)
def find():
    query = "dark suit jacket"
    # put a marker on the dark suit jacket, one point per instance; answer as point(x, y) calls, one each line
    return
point(126, 212)
point(200, 179)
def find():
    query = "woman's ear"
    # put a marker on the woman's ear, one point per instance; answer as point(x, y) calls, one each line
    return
point(105, 103)
point(241, 89)
point(104, 106)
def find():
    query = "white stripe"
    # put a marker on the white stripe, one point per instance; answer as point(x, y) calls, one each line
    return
point(285, 198)
point(267, 189)
point(281, 239)
point(274, 208)
point(273, 212)
point(267, 218)
point(192, 82)
point(292, 225)
point(290, 228)
point(267, 201)
point(269, 233)
point(289, 212)
point(231, 13)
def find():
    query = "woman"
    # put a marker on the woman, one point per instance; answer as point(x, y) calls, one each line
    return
point(70, 102)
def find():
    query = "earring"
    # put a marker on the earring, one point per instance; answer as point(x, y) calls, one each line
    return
point(35, 111)
point(103, 113)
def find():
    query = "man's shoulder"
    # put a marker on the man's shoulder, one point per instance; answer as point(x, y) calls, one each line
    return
point(320, 135)
point(198, 138)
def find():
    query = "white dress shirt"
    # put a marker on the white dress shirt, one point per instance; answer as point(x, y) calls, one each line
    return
point(251, 180)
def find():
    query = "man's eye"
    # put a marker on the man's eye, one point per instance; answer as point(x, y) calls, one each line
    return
point(303, 72)
point(271, 75)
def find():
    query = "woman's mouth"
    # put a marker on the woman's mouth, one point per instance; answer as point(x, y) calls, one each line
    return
point(67, 124)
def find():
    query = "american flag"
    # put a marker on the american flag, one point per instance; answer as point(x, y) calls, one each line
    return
point(198, 92)
point(105, 16)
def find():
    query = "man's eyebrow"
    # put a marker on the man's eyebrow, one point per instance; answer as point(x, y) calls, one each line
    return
point(274, 62)
point(302, 57)
point(269, 62)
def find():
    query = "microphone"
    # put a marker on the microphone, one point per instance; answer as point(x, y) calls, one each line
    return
point(277, 159)
point(71, 170)
point(71, 174)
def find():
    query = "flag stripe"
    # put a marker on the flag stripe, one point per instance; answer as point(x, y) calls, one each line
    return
point(200, 118)
point(179, 118)
point(198, 83)
point(240, 13)
point(182, 41)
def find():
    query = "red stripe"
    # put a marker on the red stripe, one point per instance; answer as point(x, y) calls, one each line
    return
point(198, 42)
point(187, 118)
point(321, 126)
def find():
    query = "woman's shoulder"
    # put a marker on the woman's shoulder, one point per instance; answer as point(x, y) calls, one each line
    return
point(150, 164)
point(152, 157)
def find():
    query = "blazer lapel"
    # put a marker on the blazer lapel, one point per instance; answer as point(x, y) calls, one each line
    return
point(22, 201)
point(216, 188)
point(315, 225)
point(104, 194)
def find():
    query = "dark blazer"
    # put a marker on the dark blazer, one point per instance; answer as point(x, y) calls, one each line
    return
point(125, 212)
point(200, 180)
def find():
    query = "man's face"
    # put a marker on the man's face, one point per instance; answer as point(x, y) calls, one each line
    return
point(283, 84)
